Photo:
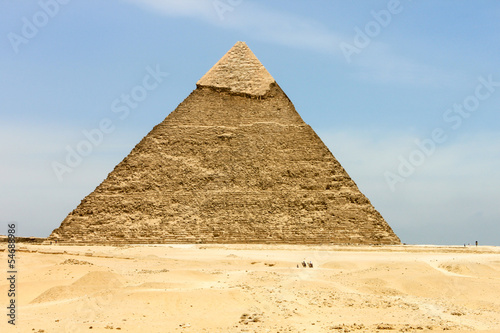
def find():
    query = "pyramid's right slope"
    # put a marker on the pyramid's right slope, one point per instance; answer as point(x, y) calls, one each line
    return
point(234, 163)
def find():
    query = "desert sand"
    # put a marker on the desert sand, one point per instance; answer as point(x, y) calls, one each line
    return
point(254, 288)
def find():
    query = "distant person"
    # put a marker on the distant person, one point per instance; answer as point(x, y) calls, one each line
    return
point(310, 264)
point(304, 263)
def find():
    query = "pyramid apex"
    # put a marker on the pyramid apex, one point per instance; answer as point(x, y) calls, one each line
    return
point(240, 71)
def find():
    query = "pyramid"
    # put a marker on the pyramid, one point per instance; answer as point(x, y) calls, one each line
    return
point(233, 163)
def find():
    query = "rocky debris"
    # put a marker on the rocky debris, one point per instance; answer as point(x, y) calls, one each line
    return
point(457, 313)
point(384, 326)
point(246, 318)
point(75, 262)
point(150, 271)
point(344, 328)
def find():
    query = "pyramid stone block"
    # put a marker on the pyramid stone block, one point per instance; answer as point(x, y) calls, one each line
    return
point(233, 163)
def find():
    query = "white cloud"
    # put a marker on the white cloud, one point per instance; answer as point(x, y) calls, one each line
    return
point(253, 20)
point(377, 62)
point(284, 28)
point(188, 8)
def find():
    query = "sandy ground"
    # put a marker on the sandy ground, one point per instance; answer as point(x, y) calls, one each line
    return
point(254, 288)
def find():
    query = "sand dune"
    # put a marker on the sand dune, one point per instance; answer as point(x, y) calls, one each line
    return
point(256, 288)
point(88, 284)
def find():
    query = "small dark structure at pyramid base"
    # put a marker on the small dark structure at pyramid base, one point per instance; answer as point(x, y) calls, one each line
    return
point(234, 163)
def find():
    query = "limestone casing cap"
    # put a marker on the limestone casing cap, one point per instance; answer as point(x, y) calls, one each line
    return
point(240, 71)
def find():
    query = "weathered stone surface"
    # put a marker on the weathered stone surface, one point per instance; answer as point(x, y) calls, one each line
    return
point(240, 71)
point(233, 163)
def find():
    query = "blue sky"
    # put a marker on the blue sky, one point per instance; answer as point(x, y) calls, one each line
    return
point(406, 94)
